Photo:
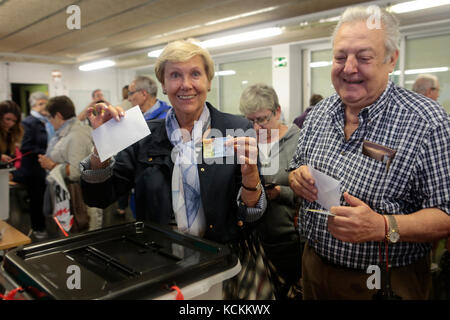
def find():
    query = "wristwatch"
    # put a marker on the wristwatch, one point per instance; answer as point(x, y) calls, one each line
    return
point(393, 234)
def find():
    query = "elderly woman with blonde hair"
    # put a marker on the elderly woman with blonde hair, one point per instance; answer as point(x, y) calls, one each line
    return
point(174, 181)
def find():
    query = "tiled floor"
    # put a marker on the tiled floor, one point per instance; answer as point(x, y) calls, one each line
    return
point(20, 217)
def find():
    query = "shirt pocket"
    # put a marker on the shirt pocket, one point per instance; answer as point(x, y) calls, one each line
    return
point(365, 177)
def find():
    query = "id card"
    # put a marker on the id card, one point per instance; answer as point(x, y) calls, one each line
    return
point(216, 148)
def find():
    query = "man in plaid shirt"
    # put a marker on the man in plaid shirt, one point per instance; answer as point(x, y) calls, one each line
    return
point(390, 150)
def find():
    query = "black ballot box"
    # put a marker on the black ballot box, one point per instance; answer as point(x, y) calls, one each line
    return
point(128, 261)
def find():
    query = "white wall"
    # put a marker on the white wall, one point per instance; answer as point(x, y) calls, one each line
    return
point(286, 80)
point(5, 89)
point(76, 84)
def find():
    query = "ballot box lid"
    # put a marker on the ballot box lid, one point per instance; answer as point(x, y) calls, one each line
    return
point(128, 261)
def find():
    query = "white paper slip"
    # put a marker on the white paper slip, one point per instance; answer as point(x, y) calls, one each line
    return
point(114, 136)
point(329, 189)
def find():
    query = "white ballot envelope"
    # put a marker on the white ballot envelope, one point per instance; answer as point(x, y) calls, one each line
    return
point(114, 136)
point(329, 189)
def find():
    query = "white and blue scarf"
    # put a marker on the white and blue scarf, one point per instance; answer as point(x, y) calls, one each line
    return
point(186, 197)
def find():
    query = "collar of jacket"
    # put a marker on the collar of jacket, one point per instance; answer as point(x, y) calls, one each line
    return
point(159, 112)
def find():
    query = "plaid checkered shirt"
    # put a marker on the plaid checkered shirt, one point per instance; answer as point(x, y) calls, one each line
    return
point(417, 178)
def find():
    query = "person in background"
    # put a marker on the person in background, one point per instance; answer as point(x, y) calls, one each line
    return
point(389, 149)
point(125, 104)
point(142, 92)
point(30, 173)
point(174, 184)
point(277, 231)
point(97, 96)
point(72, 143)
point(315, 99)
point(11, 130)
point(427, 85)
point(39, 99)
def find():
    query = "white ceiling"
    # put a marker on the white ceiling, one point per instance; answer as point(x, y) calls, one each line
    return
point(125, 30)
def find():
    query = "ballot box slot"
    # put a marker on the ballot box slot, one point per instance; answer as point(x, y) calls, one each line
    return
point(109, 269)
point(124, 257)
point(155, 247)
point(111, 261)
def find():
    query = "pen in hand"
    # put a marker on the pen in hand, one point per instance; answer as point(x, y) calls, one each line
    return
point(327, 213)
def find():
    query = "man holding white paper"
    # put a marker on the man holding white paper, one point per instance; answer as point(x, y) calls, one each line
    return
point(390, 150)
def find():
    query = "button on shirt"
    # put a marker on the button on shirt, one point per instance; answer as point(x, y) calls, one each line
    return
point(417, 178)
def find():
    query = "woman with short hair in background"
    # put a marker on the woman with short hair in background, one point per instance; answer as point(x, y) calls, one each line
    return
point(277, 231)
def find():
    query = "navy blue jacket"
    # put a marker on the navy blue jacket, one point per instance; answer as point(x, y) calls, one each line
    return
point(34, 141)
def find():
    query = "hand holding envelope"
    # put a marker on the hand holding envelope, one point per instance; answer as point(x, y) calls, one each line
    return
point(101, 113)
point(356, 222)
point(113, 135)
point(314, 185)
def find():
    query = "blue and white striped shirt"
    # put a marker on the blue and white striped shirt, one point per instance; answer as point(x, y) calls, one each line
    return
point(418, 177)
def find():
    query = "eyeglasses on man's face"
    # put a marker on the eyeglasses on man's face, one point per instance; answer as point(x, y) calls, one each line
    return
point(261, 121)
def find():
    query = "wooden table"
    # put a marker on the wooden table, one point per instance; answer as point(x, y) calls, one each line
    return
point(11, 237)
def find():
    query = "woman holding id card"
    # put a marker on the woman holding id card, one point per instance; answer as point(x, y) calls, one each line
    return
point(211, 193)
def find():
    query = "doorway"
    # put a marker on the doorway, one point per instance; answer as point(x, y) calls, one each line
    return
point(22, 91)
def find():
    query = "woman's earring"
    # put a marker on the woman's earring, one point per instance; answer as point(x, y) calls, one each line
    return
point(164, 91)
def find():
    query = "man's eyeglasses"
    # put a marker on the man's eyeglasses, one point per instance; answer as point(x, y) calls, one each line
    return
point(262, 120)
point(130, 93)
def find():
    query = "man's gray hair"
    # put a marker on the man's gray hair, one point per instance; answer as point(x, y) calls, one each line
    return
point(35, 96)
point(147, 84)
point(368, 14)
point(424, 82)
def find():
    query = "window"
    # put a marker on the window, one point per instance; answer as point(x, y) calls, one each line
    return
point(237, 76)
point(429, 55)
point(320, 65)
